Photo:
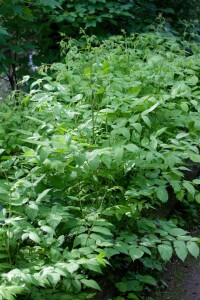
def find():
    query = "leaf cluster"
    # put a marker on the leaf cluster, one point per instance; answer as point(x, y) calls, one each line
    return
point(96, 146)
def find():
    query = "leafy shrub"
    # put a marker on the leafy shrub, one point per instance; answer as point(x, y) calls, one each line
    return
point(87, 157)
point(34, 26)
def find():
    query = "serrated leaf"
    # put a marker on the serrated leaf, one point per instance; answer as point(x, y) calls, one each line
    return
point(128, 166)
point(53, 278)
point(160, 131)
point(162, 194)
point(3, 31)
point(77, 98)
point(118, 154)
point(145, 249)
point(192, 80)
point(135, 252)
point(181, 135)
point(197, 198)
point(153, 143)
point(146, 121)
point(107, 160)
point(91, 283)
point(42, 195)
point(15, 289)
point(180, 249)
point(47, 229)
point(110, 252)
point(153, 107)
point(122, 247)
point(51, 3)
point(184, 107)
point(48, 87)
point(125, 132)
point(102, 230)
point(131, 148)
point(180, 89)
point(193, 249)
point(72, 267)
point(196, 181)
point(195, 158)
point(177, 231)
point(165, 251)
point(34, 237)
point(148, 279)
point(189, 187)
point(138, 127)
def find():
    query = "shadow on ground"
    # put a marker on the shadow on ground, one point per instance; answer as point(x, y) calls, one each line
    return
point(182, 279)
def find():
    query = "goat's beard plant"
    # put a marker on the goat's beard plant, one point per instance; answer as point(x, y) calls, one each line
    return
point(102, 141)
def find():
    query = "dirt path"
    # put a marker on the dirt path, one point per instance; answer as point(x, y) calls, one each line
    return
point(183, 280)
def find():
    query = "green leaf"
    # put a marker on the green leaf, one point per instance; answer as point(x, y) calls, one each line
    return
point(193, 249)
point(192, 80)
point(91, 283)
point(181, 135)
point(53, 278)
point(2, 150)
point(180, 249)
point(189, 187)
point(177, 231)
point(197, 198)
point(153, 107)
point(135, 252)
point(148, 279)
point(118, 154)
point(133, 285)
point(72, 267)
point(195, 158)
point(131, 148)
point(102, 230)
point(196, 181)
point(138, 127)
point(154, 143)
point(123, 131)
point(3, 31)
point(146, 121)
point(34, 237)
point(128, 166)
point(107, 160)
point(121, 286)
point(77, 98)
point(42, 195)
point(165, 251)
point(184, 107)
point(160, 131)
point(14, 289)
point(131, 296)
point(51, 3)
point(162, 194)
point(180, 89)
point(122, 247)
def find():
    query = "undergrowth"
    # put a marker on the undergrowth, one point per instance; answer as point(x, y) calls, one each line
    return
point(88, 156)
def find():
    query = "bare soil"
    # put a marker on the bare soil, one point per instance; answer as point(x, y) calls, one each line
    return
point(182, 280)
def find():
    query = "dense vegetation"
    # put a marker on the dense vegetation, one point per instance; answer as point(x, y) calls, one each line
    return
point(89, 156)
point(35, 25)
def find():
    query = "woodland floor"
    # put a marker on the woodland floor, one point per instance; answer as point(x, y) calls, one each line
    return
point(182, 280)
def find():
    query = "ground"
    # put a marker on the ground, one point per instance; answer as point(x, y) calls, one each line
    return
point(182, 280)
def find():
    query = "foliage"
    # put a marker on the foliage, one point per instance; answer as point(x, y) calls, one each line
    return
point(87, 157)
point(34, 26)
point(25, 26)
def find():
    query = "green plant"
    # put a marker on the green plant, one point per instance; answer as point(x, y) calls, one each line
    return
point(87, 157)
point(28, 27)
